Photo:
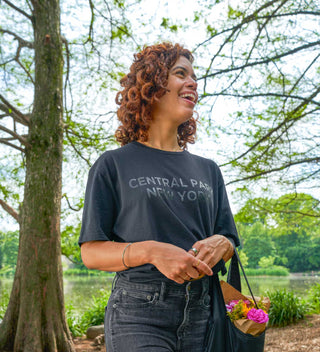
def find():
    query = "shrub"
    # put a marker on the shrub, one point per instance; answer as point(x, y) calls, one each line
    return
point(314, 299)
point(95, 314)
point(275, 270)
point(78, 325)
point(85, 272)
point(4, 301)
point(73, 321)
point(286, 308)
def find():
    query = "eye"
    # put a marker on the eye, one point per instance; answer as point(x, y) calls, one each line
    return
point(180, 73)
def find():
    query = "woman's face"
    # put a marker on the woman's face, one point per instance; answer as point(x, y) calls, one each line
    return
point(178, 103)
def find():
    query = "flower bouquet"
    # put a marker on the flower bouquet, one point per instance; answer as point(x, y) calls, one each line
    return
point(243, 312)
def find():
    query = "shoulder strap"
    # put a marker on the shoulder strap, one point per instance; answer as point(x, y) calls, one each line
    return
point(234, 274)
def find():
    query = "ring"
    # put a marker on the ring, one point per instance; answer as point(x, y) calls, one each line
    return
point(197, 263)
point(195, 251)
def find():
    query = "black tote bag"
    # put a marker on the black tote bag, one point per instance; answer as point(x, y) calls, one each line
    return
point(222, 334)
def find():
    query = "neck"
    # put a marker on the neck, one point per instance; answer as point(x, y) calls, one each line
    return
point(162, 138)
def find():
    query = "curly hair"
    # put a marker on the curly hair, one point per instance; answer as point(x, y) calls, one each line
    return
point(146, 82)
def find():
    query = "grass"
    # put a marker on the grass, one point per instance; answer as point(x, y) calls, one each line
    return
point(273, 271)
point(83, 272)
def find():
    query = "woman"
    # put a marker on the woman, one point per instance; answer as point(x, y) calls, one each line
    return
point(156, 214)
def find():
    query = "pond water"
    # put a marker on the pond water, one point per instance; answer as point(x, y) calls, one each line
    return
point(79, 290)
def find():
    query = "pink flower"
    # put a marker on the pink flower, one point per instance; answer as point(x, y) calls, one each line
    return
point(231, 305)
point(258, 315)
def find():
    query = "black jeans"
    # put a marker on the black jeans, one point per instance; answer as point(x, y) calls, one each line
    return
point(157, 317)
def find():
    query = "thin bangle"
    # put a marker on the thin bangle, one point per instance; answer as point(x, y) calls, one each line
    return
point(123, 253)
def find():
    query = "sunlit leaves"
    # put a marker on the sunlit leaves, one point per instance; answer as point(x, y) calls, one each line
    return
point(166, 24)
point(234, 13)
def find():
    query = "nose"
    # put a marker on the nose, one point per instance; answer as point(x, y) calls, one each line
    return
point(192, 83)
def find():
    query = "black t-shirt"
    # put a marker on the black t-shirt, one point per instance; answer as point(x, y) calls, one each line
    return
point(137, 193)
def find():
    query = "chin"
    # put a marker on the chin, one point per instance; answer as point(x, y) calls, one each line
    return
point(185, 119)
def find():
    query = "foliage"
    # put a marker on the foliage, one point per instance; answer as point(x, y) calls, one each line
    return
point(286, 308)
point(314, 299)
point(91, 317)
point(95, 314)
point(4, 300)
point(84, 272)
point(257, 243)
point(285, 228)
point(73, 321)
point(304, 256)
point(266, 262)
point(250, 64)
point(275, 270)
point(243, 258)
point(9, 243)
point(70, 247)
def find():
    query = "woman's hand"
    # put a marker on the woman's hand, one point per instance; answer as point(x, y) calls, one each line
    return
point(212, 249)
point(177, 264)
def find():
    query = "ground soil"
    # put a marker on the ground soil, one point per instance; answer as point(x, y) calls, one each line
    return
point(303, 336)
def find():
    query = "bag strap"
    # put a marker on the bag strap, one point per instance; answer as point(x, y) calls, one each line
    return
point(234, 275)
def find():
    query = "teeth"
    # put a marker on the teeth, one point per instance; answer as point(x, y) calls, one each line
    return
point(190, 96)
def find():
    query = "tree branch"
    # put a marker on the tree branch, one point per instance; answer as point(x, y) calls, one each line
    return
point(246, 20)
point(15, 135)
point(4, 141)
point(280, 168)
point(14, 112)
point(76, 150)
point(282, 211)
point(25, 70)
point(9, 210)
point(69, 205)
point(261, 62)
point(22, 42)
point(289, 118)
point(248, 96)
point(18, 9)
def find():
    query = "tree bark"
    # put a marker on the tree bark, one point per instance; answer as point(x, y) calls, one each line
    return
point(35, 318)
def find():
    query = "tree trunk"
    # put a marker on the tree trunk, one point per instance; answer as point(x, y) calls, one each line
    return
point(35, 318)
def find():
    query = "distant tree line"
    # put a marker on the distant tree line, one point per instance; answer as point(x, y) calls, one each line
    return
point(277, 232)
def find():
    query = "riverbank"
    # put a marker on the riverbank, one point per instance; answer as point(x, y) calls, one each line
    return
point(299, 337)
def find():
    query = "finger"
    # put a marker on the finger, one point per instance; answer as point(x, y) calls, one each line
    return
point(229, 253)
point(201, 255)
point(179, 280)
point(193, 251)
point(202, 267)
point(185, 277)
point(193, 272)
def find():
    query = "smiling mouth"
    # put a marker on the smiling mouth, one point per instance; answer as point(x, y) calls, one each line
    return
point(189, 96)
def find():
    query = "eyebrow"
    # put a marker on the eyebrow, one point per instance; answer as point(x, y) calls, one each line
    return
point(185, 70)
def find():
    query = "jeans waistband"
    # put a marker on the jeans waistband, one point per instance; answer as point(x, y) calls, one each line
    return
point(165, 287)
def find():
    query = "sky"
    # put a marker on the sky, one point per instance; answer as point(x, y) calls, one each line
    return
point(75, 21)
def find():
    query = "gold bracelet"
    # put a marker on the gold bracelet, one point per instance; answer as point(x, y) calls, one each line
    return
point(124, 251)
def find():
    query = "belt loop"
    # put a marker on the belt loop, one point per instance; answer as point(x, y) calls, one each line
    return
point(114, 282)
point(162, 296)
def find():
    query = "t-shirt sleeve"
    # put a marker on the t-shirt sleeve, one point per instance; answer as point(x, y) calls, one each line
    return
point(99, 206)
point(224, 223)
